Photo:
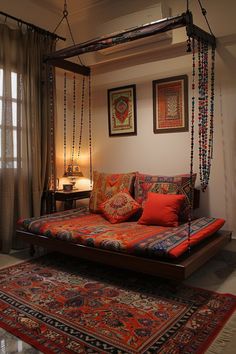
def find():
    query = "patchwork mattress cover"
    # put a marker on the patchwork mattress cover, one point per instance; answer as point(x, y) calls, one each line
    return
point(93, 230)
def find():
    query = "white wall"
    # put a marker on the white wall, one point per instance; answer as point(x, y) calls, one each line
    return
point(149, 152)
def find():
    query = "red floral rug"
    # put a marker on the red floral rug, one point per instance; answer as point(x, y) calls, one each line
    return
point(61, 305)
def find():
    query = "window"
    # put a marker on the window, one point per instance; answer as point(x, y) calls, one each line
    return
point(10, 106)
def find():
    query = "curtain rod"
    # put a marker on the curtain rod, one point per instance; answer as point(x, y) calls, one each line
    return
point(31, 25)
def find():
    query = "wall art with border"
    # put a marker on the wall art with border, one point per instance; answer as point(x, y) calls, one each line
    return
point(122, 111)
point(170, 104)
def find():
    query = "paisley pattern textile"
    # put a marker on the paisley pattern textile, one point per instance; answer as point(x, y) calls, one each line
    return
point(106, 185)
point(119, 207)
point(94, 230)
point(61, 305)
point(179, 184)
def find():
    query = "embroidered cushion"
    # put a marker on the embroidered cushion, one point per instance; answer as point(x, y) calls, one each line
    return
point(179, 184)
point(119, 207)
point(162, 209)
point(106, 185)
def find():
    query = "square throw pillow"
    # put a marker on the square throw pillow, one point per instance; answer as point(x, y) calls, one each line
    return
point(179, 184)
point(162, 209)
point(106, 185)
point(119, 208)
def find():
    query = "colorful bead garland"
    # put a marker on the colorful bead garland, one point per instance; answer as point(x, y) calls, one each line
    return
point(205, 129)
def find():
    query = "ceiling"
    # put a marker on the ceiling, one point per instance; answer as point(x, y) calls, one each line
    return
point(73, 6)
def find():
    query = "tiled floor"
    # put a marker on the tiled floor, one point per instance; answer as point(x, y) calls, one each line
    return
point(10, 344)
point(219, 274)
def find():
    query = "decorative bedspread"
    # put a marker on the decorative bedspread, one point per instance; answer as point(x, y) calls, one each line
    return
point(82, 227)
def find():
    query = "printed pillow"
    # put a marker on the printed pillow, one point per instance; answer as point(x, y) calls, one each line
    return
point(106, 185)
point(119, 207)
point(162, 209)
point(179, 184)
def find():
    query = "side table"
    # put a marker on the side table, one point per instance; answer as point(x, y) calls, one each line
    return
point(68, 198)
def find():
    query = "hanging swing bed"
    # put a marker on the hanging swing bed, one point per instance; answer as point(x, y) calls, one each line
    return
point(173, 253)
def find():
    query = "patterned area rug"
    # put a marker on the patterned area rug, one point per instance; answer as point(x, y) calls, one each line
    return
point(59, 304)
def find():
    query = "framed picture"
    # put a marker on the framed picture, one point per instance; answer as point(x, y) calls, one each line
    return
point(122, 111)
point(170, 104)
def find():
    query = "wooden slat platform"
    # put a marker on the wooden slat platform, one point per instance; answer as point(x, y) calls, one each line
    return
point(177, 269)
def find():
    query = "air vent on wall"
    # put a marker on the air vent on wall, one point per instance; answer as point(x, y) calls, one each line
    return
point(153, 13)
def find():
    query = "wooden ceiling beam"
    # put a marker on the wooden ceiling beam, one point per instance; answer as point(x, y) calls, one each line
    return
point(69, 66)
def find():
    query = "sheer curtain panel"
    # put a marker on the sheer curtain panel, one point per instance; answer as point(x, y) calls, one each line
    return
point(24, 121)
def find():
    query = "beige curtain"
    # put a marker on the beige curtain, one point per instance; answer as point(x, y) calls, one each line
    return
point(24, 124)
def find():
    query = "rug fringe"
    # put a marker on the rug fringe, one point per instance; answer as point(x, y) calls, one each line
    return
point(225, 338)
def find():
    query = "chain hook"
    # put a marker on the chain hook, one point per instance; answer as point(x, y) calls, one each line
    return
point(65, 12)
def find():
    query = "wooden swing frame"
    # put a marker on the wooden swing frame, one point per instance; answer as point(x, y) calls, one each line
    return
point(183, 267)
point(57, 58)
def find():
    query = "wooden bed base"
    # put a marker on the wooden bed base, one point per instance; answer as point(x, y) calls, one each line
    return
point(177, 269)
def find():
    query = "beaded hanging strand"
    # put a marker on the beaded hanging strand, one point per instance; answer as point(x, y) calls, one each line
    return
point(212, 104)
point(200, 109)
point(211, 127)
point(52, 140)
point(64, 121)
point(81, 118)
point(90, 133)
point(192, 143)
point(73, 123)
point(205, 131)
point(205, 110)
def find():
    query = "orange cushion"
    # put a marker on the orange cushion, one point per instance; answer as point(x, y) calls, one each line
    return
point(162, 209)
point(119, 207)
point(179, 184)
